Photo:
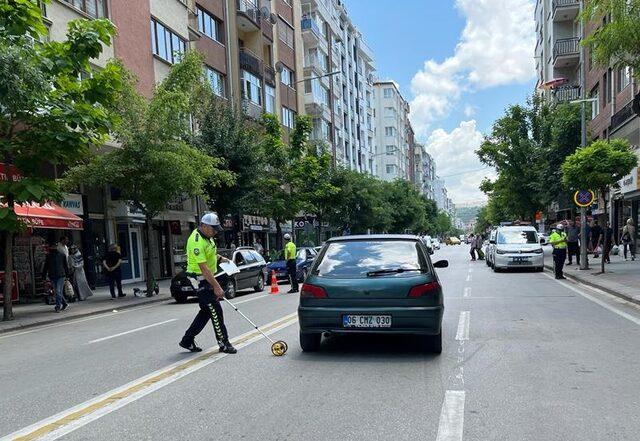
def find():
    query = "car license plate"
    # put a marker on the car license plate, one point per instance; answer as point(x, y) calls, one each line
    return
point(187, 288)
point(520, 260)
point(366, 321)
point(281, 274)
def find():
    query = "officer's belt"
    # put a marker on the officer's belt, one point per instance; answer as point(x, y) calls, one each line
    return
point(198, 277)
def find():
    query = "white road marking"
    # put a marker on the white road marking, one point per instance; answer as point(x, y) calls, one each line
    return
point(605, 305)
point(463, 326)
point(97, 340)
point(451, 424)
point(251, 299)
point(468, 277)
point(467, 292)
point(67, 421)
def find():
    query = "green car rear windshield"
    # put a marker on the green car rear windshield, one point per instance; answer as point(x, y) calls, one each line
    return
point(359, 257)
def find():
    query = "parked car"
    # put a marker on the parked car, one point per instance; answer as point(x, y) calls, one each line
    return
point(252, 275)
point(375, 284)
point(517, 247)
point(490, 248)
point(304, 259)
point(435, 242)
point(454, 240)
point(428, 242)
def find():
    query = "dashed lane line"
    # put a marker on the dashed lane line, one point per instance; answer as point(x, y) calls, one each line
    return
point(463, 326)
point(451, 425)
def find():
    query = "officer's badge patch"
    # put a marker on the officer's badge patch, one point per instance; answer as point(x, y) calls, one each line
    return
point(196, 251)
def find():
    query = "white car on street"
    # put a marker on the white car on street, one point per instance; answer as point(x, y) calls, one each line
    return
point(435, 242)
point(517, 247)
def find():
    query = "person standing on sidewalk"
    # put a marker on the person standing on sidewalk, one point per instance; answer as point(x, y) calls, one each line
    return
point(606, 241)
point(472, 250)
point(558, 240)
point(202, 265)
point(57, 269)
point(594, 237)
point(290, 252)
point(112, 264)
point(628, 239)
point(573, 245)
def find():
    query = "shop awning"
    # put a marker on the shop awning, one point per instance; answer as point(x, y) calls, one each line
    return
point(48, 215)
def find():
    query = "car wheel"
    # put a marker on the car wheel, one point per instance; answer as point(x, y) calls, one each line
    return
point(260, 283)
point(180, 298)
point(495, 268)
point(230, 291)
point(310, 342)
point(433, 343)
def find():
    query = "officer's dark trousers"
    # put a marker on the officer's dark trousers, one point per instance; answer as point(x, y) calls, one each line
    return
point(210, 309)
point(559, 256)
point(292, 272)
point(573, 249)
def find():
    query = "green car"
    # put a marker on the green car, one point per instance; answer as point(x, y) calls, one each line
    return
point(376, 284)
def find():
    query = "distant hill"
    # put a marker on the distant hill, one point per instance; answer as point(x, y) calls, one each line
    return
point(466, 214)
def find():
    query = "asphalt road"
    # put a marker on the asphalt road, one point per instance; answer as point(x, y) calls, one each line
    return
point(525, 358)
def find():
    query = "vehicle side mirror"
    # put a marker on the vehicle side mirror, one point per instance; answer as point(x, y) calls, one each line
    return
point(441, 264)
point(492, 242)
point(542, 242)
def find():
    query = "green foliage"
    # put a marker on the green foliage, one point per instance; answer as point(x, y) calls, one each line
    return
point(443, 224)
point(617, 42)
point(598, 165)
point(407, 207)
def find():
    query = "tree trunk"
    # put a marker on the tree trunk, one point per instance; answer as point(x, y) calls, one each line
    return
point(278, 236)
point(148, 265)
point(319, 242)
point(604, 229)
point(8, 270)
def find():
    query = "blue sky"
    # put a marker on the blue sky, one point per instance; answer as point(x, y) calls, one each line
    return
point(466, 83)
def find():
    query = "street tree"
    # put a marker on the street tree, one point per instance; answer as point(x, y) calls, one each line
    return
point(407, 206)
point(598, 166)
point(50, 113)
point(617, 41)
point(155, 164)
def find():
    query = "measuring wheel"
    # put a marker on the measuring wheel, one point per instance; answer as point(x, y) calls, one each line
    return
point(279, 348)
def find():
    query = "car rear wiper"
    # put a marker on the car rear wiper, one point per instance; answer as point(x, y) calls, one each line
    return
point(391, 271)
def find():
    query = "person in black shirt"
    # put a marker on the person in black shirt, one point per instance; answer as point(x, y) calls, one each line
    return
point(606, 241)
point(596, 232)
point(111, 263)
point(56, 268)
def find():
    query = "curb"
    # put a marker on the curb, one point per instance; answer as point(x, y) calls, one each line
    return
point(63, 318)
point(597, 286)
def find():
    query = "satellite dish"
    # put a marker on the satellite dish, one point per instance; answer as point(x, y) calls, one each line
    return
point(636, 104)
point(273, 19)
point(266, 13)
point(279, 66)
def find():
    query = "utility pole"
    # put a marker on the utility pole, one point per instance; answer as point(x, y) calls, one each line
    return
point(584, 263)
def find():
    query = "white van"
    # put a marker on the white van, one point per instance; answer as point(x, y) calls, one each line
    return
point(517, 247)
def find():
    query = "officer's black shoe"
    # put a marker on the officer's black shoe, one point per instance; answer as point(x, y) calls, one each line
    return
point(292, 291)
point(228, 348)
point(190, 346)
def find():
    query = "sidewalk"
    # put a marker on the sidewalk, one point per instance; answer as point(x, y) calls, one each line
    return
point(621, 278)
point(35, 314)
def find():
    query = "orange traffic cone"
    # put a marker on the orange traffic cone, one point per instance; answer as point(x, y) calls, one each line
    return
point(274, 283)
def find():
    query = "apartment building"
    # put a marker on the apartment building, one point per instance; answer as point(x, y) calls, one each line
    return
point(253, 57)
point(338, 72)
point(557, 52)
point(393, 134)
point(428, 175)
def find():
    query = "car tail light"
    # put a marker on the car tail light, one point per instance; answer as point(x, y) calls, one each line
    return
point(423, 290)
point(312, 292)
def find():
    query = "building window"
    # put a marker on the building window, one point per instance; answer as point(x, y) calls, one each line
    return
point(595, 105)
point(624, 76)
point(391, 149)
point(285, 32)
point(209, 25)
point(388, 92)
point(287, 77)
point(216, 79)
point(93, 8)
point(391, 169)
point(165, 43)
point(270, 99)
point(389, 131)
point(251, 88)
point(288, 117)
point(320, 93)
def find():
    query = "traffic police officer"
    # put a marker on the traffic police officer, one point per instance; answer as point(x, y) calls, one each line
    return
point(558, 240)
point(290, 257)
point(202, 264)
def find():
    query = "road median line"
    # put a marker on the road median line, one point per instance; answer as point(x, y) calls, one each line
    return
point(71, 419)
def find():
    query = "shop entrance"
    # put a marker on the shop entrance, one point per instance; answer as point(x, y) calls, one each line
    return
point(130, 242)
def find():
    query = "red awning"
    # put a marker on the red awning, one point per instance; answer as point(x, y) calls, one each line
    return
point(48, 215)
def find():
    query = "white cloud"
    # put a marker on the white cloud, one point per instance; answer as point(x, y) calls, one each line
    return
point(495, 48)
point(469, 110)
point(457, 163)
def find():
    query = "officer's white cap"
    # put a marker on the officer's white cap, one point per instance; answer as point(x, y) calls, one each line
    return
point(287, 236)
point(212, 220)
point(560, 226)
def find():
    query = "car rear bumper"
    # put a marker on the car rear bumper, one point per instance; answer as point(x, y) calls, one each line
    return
point(507, 261)
point(405, 320)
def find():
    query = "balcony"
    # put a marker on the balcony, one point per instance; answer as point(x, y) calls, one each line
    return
point(565, 10)
point(270, 75)
point(248, 15)
point(250, 62)
point(310, 32)
point(566, 52)
point(317, 108)
point(621, 116)
point(251, 109)
point(564, 94)
point(313, 66)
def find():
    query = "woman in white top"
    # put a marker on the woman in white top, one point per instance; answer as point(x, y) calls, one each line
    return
point(628, 239)
point(76, 264)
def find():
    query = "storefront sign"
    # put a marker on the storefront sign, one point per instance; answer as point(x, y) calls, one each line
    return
point(630, 182)
point(125, 209)
point(9, 173)
point(14, 288)
point(73, 203)
point(254, 223)
point(48, 215)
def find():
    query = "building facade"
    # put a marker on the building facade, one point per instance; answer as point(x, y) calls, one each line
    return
point(428, 176)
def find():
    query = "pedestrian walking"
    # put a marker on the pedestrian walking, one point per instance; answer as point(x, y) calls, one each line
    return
point(472, 250)
point(606, 241)
point(258, 246)
point(62, 246)
point(290, 252)
point(112, 264)
point(558, 240)
point(594, 238)
point(76, 265)
point(573, 242)
point(57, 270)
point(202, 265)
point(628, 239)
point(478, 243)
